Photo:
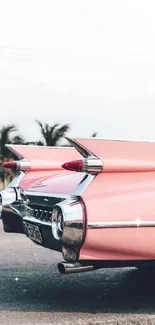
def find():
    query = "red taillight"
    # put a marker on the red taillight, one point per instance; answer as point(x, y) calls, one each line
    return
point(87, 165)
point(38, 165)
point(76, 165)
point(10, 164)
point(18, 165)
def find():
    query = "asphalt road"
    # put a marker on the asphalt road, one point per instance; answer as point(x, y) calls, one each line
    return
point(33, 292)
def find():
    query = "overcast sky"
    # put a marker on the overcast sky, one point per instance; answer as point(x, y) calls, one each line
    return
point(90, 63)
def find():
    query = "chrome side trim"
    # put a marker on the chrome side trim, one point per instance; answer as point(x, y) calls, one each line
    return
point(120, 224)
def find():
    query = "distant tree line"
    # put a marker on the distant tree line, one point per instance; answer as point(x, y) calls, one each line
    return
point(51, 135)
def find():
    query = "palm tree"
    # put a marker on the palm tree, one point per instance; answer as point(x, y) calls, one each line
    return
point(5, 155)
point(5, 137)
point(51, 134)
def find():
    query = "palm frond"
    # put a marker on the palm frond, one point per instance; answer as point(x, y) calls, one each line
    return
point(51, 134)
point(17, 139)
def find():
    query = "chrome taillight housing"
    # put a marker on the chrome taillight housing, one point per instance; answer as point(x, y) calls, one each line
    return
point(68, 221)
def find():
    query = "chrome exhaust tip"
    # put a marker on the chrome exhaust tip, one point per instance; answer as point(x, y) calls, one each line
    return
point(68, 268)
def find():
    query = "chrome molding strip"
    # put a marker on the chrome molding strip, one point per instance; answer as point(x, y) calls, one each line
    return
point(35, 146)
point(15, 182)
point(120, 224)
point(82, 186)
point(81, 149)
point(44, 194)
point(36, 221)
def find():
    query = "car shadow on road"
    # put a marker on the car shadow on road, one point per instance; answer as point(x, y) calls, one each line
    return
point(101, 291)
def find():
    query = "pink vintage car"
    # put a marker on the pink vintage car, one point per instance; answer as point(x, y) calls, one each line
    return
point(94, 202)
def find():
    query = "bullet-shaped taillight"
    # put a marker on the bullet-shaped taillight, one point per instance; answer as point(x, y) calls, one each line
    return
point(89, 165)
point(18, 165)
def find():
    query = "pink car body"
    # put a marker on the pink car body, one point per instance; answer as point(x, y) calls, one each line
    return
point(99, 196)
